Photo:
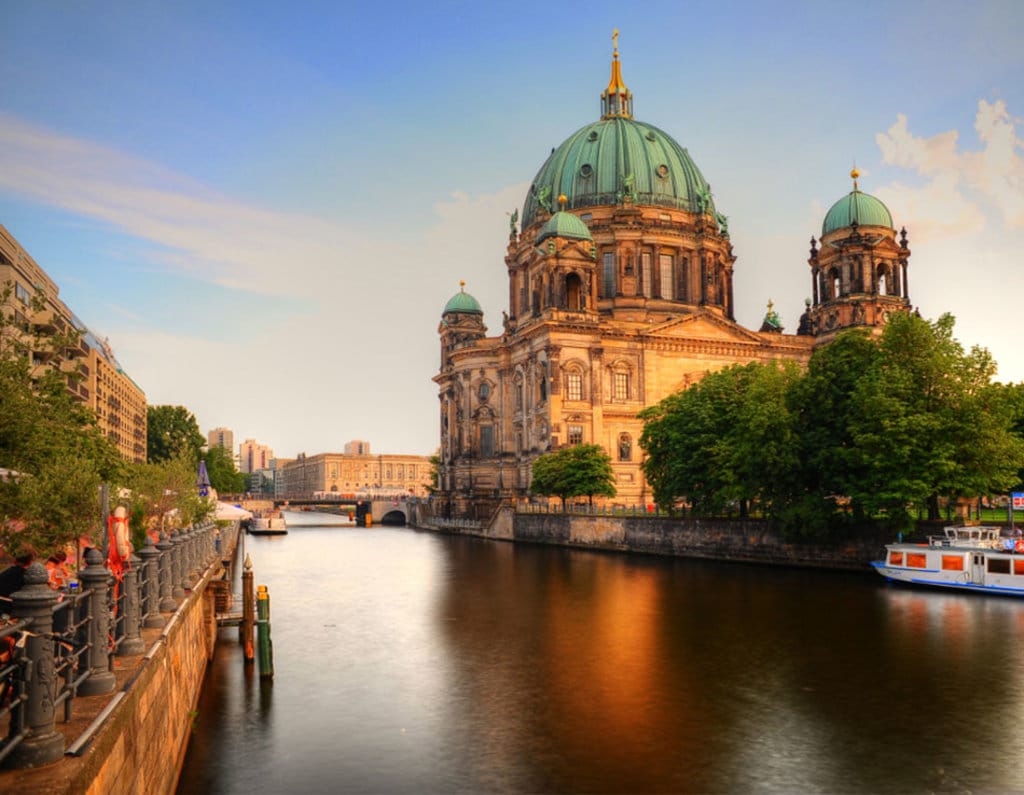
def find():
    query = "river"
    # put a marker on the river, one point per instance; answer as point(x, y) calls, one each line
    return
point(410, 662)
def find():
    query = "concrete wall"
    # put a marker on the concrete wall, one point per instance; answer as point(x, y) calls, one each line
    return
point(714, 539)
point(142, 746)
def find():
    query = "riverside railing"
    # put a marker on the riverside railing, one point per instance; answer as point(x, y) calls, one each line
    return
point(58, 645)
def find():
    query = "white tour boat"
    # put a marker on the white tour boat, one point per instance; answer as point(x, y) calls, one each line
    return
point(267, 523)
point(968, 558)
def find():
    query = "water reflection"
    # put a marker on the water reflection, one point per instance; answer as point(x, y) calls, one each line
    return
point(408, 662)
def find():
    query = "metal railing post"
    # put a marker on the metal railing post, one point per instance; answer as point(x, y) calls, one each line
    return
point(132, 643)
point(151, 588)
point(42, 743)
point(166, 564)
point(177, 564)
point(96, 578)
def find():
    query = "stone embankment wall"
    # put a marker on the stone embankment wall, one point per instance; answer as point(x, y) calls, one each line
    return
point(750, 541)
point(142, 747)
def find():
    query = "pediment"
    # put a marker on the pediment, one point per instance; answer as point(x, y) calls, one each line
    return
point(703, 326)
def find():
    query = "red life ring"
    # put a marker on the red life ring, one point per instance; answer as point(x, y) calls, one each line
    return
point(1019, 545)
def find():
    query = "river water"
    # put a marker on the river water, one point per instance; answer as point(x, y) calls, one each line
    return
point(410, 662)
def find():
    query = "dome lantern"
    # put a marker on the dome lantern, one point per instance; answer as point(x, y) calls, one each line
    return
point(616, 100)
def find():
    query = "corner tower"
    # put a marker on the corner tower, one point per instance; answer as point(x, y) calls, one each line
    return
point(859, 273)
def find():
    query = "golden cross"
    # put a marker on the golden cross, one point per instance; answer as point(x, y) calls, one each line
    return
point(615, 39)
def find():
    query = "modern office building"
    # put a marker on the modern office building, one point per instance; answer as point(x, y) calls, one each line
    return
point(95, 377)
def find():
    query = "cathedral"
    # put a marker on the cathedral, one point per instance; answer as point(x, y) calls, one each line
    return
point(621, 278)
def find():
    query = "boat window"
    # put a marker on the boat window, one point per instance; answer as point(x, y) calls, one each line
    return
point(895, 558)
point(1018, 566)
point(999, 565)
point(953, 562)
point(917, 560)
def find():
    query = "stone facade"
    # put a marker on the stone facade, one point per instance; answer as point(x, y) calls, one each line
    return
point(340, 473)
point(618, 297)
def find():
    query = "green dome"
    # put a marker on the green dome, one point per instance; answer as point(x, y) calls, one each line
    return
point(617, 155)
point(463, 302)
point(563, 224)
point(863, 208)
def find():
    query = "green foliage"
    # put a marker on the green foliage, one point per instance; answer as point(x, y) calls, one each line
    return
point(584, 470)
point(163, 496)
point(220, 467)
point(728, 441)
point(172, 432)
point(435, 473)
point(875, 428)
point(46, 436)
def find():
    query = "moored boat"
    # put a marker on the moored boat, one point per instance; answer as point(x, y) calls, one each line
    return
point(267, 523)
point(974, 559)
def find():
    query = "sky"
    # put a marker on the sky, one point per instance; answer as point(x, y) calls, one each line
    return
point(265, 206)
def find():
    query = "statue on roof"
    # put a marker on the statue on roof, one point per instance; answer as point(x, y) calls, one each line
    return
point(772, 322)
point(544, 198)
point(723, 224)
point(513, 220)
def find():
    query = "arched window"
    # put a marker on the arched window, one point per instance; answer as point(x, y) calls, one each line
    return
point(835, 283)
point(625, 447)
point(574, 293)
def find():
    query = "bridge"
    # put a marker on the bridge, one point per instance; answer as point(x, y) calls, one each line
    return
point(382, 510)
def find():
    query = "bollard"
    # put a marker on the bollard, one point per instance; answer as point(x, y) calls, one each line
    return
point(248, 607)
point(132, 643)
point(42, 743)
point(166, 563)
point(177, 552)
point(266, 648)
point(151, 588)
point(96, 578)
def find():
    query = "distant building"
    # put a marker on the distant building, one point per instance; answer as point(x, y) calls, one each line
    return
point(94, 375)
point(222, 437)
point(253, 456)
point(357, 447)
point(343, 473)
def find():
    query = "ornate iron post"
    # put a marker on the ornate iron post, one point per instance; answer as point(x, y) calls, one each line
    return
point(177, 553)
point(151, 588)
point(132, 643)
point(96, 578)
point(166, 549)
point(42, 744)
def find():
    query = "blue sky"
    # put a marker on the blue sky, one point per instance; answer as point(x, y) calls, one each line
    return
point(265, 206)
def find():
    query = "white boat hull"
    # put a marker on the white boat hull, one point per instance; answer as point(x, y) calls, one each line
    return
point(978, 566)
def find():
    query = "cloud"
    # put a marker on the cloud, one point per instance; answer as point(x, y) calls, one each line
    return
point(198, 231)
point(962, 188)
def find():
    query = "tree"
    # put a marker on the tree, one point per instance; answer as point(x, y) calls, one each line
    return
point(727, 441)
point(435, 473)
point(929, 423)
point(220, 467)
point(163, 495)
point(172, 432)
point(578, 471)
point(49, 441)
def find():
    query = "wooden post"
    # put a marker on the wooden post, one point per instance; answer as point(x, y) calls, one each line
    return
point(246, 627)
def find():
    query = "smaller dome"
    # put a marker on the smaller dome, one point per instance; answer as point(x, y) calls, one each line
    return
point(463, 302)
point(863, 208)
point(563, 224)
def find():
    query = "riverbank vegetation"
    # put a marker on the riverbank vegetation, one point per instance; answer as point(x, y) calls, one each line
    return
point(583, 470)
point(875, 429)
point(54, 458)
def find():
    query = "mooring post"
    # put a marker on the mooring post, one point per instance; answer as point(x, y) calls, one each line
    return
point(42, 744)
point(263, 633)
point(245, 629)
point(96, 578)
